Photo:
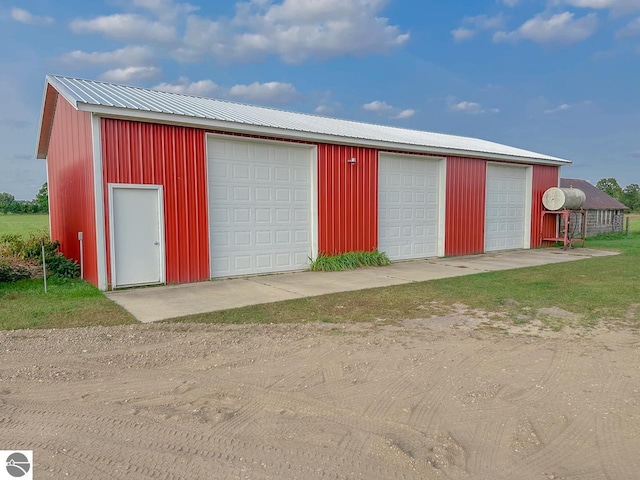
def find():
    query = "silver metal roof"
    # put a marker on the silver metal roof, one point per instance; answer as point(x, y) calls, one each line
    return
point(153, 105)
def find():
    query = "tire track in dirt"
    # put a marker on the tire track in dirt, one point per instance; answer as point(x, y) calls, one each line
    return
point(173, 443)
point(245, 403)
point(425, 414)
point(613, 434)
point(545, 386)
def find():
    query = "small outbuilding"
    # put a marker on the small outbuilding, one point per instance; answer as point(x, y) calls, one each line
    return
point(604, 214)
point(150, 187)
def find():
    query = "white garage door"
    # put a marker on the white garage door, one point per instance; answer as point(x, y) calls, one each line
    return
point(409, 206)
point(260, 206)
point(505, 212)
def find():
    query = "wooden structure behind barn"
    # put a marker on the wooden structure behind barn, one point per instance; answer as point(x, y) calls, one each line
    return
point(605, 214)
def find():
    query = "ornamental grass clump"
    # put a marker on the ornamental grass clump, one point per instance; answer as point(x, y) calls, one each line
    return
point(349, 261)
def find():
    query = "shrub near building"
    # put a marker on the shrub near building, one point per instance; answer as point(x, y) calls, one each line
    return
point(21, 257)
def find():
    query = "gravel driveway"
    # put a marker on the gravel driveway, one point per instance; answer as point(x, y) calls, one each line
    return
point(439, 398)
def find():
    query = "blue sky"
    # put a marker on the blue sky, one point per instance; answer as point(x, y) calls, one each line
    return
point(560, 77)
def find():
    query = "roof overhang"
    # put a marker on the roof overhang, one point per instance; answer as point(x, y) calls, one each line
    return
point(54, 88)
point(49, 101)
point(259, 130)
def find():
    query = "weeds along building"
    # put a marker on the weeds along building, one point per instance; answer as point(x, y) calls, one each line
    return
point(153, 187)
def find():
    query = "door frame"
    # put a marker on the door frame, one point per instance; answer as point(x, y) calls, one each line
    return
point(528, 194)
point(313, 186)
point(442, 194)
point(161, 231)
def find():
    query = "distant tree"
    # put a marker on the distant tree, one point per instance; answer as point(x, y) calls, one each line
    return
point(6, 202)
point(42, 199)
point(631, 196)
point(610, 187)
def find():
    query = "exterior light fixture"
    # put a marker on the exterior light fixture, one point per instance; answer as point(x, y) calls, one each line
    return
point(352, 160)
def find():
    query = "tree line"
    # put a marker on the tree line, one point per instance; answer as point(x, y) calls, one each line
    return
point(629, 195)
point(40, 204)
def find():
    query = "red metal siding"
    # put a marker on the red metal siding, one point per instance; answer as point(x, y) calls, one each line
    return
point(465, 204)
point(71, 186)
point(544, 177)
point(347, 199)
point(174, 157)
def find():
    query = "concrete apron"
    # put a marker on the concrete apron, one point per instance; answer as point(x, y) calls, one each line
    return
point(159, 303)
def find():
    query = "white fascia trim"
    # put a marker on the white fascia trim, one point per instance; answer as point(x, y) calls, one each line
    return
point(314, 201)
point(98, 190)
point(237, 127)
point(206, 178)
point(528, 203)
point(442, 207)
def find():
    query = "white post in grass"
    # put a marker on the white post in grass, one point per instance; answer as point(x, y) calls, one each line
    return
point(80, 237)
point(44, 268)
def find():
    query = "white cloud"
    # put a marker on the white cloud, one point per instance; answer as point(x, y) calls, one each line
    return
point(383, 108)
point(128, 74)
point(471, 26)
point(164, 8)
point(275, 93)
point(461, 34)
point(467, 107)
point(378, 106)
point(127, 56)
point(408, 113)
point(560, 108)
point(561, 28)
point(295, 30)
point(201, 88)
point(23, 16)
point(472, 108)
point(510, 3)
point(630, 30)
point(328, 109)
point(125, 26)
point(616, 5)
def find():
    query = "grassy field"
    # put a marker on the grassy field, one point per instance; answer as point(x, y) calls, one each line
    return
point(634, 224)
point(22, 224)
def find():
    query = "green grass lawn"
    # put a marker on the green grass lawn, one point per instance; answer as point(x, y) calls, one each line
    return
point(23, 224)
point(68, 303)
point(605, 289)
point(597, 289)
point(634, 224)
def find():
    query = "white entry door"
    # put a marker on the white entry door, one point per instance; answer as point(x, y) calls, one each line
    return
point(137, 235)
point(410, 206)
point(261, 206)
point(507, 222)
